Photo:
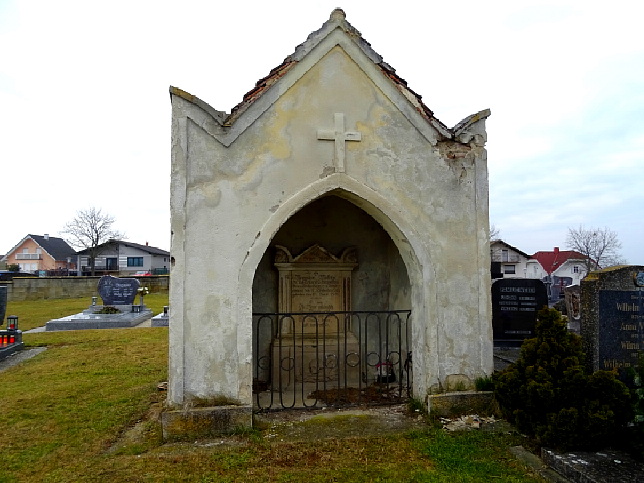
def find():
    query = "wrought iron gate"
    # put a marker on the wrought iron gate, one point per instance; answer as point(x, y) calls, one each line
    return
point(311, 360)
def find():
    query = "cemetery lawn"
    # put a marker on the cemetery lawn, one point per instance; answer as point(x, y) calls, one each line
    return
point(86, 409)
point(36, 313)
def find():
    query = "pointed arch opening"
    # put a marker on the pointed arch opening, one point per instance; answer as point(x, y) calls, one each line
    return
point(334, 351)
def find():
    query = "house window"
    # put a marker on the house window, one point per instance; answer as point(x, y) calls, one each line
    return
point(575, 269)
point(505, 256)
point(134, 261)
point(509, 269)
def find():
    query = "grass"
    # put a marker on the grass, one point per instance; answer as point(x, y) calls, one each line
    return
point(64, 410)
point(36, 313)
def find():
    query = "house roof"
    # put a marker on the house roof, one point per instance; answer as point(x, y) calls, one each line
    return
point(56, 247)
point(507, 245)
point(551, 261)
point(146, 248)
point(227, 131)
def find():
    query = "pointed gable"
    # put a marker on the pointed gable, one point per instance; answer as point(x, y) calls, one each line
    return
point(335, 32)
point(315, 253)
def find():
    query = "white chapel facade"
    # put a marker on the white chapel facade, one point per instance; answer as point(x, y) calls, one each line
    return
point(331, 153)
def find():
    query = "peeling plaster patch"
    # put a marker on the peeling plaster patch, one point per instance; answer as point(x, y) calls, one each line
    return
point(453, 150)
point(273, 209)
point(327, 171)
point(209, 195)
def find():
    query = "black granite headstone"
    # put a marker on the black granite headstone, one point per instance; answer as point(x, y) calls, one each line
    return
point(612, 317)
point(621, 328)
point(3, 303)
point(515, 303)
point(117, 291)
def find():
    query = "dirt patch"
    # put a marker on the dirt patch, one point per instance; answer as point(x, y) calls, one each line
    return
point(297, 426)
point(374, 394)
point(282, 426)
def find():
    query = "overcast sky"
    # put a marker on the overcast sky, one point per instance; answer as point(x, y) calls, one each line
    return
point(86, 111)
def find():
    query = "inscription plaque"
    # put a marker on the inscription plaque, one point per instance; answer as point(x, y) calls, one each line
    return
point(612, 317)
point(621, 328)
point(117, 291)
point(515, 303)
point(313, 342)
point(314, 282)
point(316, 291)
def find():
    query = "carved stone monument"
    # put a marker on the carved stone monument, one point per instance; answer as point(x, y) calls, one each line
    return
point(612, 317)
point(314, 342)
point(572, 296)
point(515, 303)
point(118, 309)
point(117, 291)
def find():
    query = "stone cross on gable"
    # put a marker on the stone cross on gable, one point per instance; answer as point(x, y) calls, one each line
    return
point(339, 136)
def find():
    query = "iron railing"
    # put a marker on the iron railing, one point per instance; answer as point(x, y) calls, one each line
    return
point(313, 360)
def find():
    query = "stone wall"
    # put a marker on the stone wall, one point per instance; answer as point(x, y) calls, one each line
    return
point(38, 288)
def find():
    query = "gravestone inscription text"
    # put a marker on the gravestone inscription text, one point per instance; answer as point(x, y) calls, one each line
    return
point(515, 303)
point(117, 291)
point(621, 328)
point(316, 291)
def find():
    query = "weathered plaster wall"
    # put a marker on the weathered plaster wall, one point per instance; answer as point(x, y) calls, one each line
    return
point(229, 203)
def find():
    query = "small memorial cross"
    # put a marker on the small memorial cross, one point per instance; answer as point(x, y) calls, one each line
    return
point(339, 136)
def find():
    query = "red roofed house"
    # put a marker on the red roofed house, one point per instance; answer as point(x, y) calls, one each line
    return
point(561, 268)
point(36, 253)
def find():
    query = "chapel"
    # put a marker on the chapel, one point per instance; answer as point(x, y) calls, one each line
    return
point(328, 233)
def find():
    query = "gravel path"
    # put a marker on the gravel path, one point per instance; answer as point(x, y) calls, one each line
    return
point(18, 357)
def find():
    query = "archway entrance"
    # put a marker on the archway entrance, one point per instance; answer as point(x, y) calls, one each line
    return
point(331, 312)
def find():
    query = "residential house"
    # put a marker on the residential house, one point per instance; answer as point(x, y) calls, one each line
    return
point(118, 257)
point(42, 255)
point(509, 261)
point(561, 268)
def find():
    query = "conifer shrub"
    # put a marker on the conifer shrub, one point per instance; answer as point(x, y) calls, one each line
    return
point(635, 382)
point(547, 394)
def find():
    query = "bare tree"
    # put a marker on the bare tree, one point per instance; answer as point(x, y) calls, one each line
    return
point(599, 245)
point(90, 229)
point(495, 233)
